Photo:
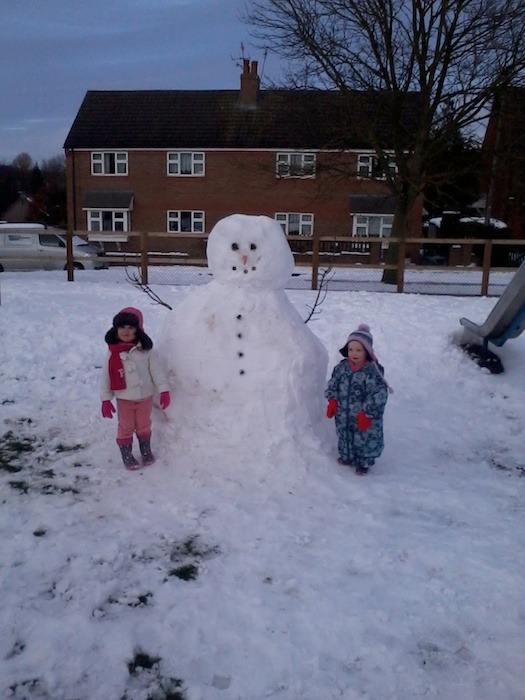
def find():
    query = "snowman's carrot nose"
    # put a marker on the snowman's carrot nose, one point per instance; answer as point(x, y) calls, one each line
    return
point(244, 259)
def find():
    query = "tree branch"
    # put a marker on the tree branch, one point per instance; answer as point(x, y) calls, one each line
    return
point(135, 281)
point(321, 293)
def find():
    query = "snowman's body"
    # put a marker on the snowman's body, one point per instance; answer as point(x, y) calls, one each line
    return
point(239, 357)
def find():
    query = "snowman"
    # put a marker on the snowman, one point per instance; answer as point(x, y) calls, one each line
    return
point(243, 366)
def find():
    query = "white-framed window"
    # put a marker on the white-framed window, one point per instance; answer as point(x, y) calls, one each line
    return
point(107, 220)
point(185, 221)
point(295, 164)
point(369, 165)
point(185, 163)
point(109, 163)
point(296, 224)
point(371, 226)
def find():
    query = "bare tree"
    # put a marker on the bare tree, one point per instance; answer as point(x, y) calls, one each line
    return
point(22, 161)
point(455, 54)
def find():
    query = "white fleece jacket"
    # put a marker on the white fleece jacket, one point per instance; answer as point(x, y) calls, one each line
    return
point(143, 374)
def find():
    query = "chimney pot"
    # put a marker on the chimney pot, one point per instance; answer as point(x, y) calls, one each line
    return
point(249, 85)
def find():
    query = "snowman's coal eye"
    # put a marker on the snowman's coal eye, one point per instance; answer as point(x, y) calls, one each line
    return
point(235, 246)
point(253, 246)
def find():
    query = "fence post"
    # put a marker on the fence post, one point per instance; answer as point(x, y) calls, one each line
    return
point(315, 261)
point(69, 256)
point(400, 272)
point(144, 257)
point(487, 254)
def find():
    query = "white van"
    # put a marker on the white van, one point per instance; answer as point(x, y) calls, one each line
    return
point(35, 247)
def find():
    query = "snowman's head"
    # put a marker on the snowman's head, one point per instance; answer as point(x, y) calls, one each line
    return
point(249, 251)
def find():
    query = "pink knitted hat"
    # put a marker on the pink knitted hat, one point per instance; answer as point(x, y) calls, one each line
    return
point(122, 318)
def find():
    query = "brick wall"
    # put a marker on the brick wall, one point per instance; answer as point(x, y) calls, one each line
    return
point(234, 182)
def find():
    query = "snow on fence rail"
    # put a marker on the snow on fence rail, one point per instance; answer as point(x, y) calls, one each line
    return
point(423, 265)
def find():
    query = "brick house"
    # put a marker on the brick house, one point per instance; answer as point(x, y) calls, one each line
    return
point(503, 154)
point(177, 161)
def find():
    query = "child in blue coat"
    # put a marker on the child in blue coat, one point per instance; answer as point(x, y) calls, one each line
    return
point(357, 394)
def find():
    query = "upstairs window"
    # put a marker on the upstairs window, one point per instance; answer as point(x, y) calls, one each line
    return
point(369, 165)
point(185, 163)
point(296, 224)
point(295, 165)
point(109, 163)
point(185, 221)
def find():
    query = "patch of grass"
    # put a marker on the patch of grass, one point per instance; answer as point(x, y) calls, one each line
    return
point(30, 688)
point(142, 660)
point(145, 670)
point(139, 601)
point(187, 572)
point(18, 648)
point(50, 489)
point(498, 465)
point(21, 486)
point(68, 448)
point(187, 554)
point(17, 456)
point(192, 547)
point(13, 450)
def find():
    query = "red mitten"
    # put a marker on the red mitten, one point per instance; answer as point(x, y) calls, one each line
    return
point(164, 400)
point(107, 409)
point(362, 421)
point(331, 408)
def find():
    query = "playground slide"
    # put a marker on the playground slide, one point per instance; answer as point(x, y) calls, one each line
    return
point(507, 318)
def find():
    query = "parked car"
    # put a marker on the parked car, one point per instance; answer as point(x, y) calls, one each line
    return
point(35, 247)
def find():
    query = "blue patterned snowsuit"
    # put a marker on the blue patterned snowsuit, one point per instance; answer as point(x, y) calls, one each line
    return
point(364, 390)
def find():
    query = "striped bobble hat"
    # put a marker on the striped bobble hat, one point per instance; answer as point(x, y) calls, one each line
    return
point(363, 336)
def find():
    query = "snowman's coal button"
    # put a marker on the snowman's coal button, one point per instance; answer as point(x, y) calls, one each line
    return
point(241, 371)
point(240, 354)
point(239, 335)
point(239, 317)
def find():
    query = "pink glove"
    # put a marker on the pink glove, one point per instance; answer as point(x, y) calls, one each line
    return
point(107, 409)
point(331, 408)
point(362, 421)
point(164, 400)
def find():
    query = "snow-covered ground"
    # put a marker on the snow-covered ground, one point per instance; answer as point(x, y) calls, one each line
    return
point(236, 575)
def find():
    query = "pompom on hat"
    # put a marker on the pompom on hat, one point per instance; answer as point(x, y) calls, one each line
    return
point(363, 336)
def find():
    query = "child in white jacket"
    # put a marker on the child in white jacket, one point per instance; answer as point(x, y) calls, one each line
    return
point(132, 374)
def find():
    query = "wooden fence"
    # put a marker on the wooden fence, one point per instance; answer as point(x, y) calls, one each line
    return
point(320, 252)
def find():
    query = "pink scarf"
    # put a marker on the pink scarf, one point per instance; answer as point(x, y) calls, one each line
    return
point(117, 379)
point(355, 367)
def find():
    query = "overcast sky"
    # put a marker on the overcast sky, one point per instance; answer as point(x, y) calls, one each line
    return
point(52, 52)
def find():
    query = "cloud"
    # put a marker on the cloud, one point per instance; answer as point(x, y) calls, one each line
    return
point(59, 49)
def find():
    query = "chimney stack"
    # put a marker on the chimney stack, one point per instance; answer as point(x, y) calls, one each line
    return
point(249, 85)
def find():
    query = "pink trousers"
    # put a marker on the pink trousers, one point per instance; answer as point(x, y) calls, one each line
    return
point(133, 417)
